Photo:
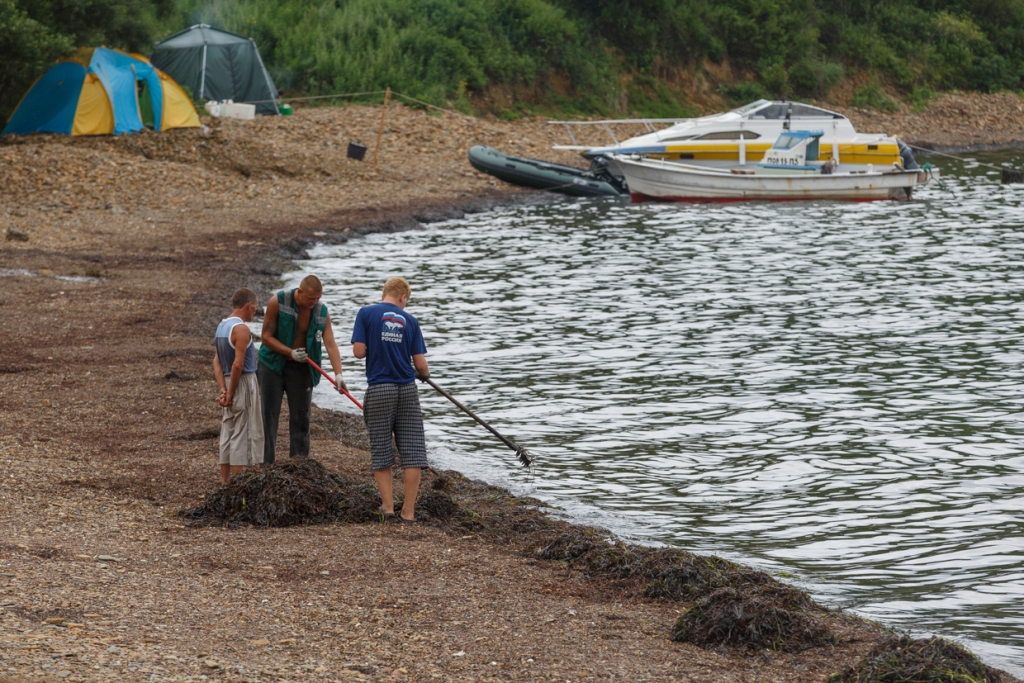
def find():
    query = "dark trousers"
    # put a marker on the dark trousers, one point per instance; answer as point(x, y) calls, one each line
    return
point(298, 384)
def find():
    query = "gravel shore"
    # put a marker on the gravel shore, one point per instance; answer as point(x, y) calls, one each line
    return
point(118, 258)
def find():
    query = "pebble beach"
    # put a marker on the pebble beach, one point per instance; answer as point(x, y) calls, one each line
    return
point(118, 257)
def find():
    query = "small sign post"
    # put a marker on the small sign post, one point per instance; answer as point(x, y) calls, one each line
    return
point(380, 128)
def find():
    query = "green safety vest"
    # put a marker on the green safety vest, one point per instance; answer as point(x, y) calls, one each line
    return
point(287, 324)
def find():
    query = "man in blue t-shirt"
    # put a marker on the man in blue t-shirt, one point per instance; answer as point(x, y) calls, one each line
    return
point(392, 344)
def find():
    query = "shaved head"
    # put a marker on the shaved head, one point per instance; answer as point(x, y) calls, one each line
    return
point(311, 285)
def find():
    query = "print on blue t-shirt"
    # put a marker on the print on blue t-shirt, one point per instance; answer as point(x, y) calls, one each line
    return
point(393, 326)
point(392, 337)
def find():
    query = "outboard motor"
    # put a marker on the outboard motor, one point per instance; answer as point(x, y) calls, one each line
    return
point(598, 164)
point(907, 156)
point(599, 170)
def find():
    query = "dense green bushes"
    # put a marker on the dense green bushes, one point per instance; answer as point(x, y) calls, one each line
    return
point(35, 33)
point(613, 56)
point(436, 50)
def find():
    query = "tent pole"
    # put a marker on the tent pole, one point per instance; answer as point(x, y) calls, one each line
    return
point(380, 128)
point(202, 73)
point(270, 86)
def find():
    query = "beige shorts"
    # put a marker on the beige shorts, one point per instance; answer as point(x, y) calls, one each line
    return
point(241, 427)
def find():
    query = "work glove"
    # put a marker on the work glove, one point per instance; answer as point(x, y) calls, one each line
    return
point(422, 378)
point(300, 355)
point(340, 382)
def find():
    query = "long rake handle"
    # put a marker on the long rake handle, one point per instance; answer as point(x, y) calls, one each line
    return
point(508, 442)
point(331, 380)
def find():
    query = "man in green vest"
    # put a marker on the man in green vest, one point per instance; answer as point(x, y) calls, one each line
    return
point(294, 326)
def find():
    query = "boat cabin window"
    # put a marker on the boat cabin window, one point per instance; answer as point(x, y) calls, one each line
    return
point(778, 111)
point(730, 135)
point(675, 138)
point(788, 142)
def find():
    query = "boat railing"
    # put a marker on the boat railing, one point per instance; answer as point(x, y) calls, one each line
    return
point(649, 125)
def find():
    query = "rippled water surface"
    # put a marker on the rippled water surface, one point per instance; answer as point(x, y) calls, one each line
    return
point(832, 392)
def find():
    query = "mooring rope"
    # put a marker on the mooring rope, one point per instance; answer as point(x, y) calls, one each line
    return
point(311, 98)
point(1008, 173)
point(952, 156)
point(317, 97)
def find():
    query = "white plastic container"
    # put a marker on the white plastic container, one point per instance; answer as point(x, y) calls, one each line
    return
point(231, 110)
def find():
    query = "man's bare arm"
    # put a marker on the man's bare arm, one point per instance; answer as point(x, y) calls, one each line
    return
point(332, 347)
point(359, 349)
point(218, 372)
point(241, 338)
point(270, 327)
point(419, 361)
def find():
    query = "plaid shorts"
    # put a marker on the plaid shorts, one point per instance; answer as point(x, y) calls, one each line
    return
point(394, 409)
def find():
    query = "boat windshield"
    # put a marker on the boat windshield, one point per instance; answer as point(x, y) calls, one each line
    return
point(751, 107)
point(778, 110)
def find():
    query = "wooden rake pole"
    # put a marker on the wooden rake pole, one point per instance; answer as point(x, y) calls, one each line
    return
point(523, 455)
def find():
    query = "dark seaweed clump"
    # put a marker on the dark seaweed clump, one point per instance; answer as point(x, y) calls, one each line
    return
point(664, 573)
point(755, 616)
point(733, 605)
point(287, 494)
point(902, 659)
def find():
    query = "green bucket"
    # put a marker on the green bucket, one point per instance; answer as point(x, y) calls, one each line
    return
point(285, 109)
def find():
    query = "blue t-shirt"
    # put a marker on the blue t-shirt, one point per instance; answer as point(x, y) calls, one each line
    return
point(392, 338)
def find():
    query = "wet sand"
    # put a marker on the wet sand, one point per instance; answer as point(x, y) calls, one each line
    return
point(131, 250)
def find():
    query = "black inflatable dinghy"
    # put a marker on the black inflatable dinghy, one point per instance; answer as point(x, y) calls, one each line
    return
point(545, 176)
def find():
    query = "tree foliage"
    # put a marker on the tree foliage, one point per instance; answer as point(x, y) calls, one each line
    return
point(611, 56)
point(584, 51)
point(36, 33)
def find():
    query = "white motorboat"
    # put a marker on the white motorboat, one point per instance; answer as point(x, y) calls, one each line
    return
point(741, 137)
point(790, 171)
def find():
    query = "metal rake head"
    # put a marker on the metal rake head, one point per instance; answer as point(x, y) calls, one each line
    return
point(524, 457)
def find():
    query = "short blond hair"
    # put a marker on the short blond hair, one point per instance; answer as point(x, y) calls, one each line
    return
point(397, 287)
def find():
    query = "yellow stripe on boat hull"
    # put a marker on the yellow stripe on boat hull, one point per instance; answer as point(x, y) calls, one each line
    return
point(878, 154)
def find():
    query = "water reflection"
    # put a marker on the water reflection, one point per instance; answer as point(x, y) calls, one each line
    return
point(829, 390)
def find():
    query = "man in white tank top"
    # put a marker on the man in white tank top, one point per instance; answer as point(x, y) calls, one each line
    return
point(234, 368)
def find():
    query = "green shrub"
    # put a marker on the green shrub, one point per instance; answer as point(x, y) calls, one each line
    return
point(775, 80)
point(872, 97)
point(743, 93)
point(921, 97)
point(814, 76)
point(435, 50)
point(28, 48)
point(36, 33)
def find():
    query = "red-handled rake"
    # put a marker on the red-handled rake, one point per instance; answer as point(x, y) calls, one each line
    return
point(331, 380)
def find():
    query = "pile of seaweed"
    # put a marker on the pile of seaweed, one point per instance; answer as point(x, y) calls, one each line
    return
point(902, 659)
point(756, 616)
point(729, 604)
point(286, 494)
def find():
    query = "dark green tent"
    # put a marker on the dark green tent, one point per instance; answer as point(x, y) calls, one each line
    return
point(217, 65)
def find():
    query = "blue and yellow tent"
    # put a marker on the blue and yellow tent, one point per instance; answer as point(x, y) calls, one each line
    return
point(102, 92)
